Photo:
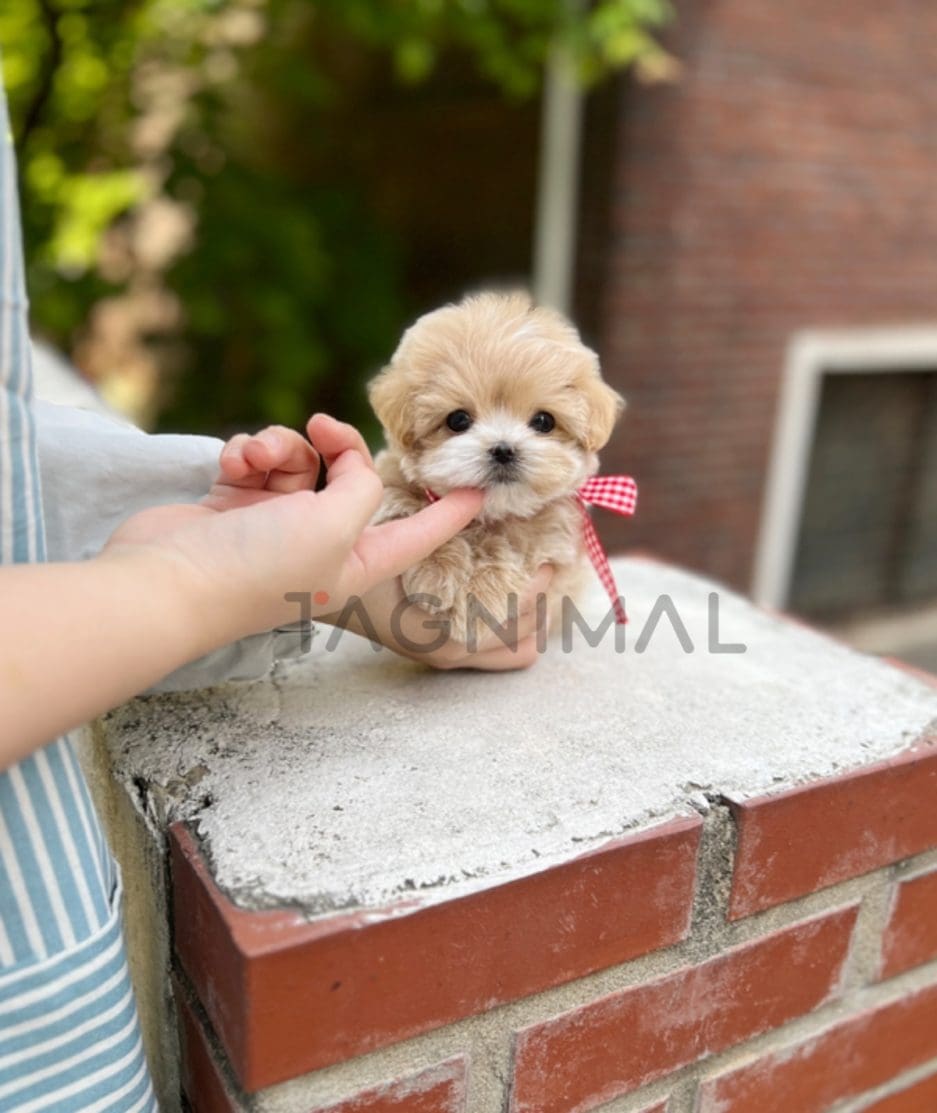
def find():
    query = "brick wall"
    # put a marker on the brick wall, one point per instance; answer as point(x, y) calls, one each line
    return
point(776, 955)
point(786, 182)
point(644, 882)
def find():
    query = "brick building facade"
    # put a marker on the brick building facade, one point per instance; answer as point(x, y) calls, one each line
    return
point(785, 182)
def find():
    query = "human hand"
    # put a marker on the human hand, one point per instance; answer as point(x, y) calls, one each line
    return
point(263, 533)
point(275, 461)
point(385, 616)
point(280, 460)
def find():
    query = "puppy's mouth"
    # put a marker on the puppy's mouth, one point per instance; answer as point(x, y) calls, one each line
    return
point(503, 475)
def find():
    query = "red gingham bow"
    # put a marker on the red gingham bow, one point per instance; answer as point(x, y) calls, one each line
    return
point(618, 493)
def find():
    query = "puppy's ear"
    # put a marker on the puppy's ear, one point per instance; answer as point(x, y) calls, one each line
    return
point(389, 399)
point(605, 407)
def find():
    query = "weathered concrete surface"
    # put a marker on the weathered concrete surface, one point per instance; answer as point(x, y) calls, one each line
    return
point(356, 777)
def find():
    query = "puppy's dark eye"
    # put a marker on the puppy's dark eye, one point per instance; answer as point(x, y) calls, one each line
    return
point(542, 422)
point(459, 420)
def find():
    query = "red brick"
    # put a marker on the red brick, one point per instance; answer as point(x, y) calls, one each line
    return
point(202, 1081)
point(920, 1098)
point(612, 1046)
point(841, 1062)
point(777, 186)
point(796, 842)
point(911, 935)
point(286, 996)
point(441, 1089)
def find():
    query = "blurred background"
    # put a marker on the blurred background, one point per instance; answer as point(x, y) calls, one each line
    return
point(233, 207)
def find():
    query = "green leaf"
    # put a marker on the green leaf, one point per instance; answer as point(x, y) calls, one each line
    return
point(414, 59)
point(88, 205)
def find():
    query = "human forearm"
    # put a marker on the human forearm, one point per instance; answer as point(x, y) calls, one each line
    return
point(79, 638)
point(177, 581)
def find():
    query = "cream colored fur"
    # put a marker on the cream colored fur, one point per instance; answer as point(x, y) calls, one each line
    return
point(502, 360)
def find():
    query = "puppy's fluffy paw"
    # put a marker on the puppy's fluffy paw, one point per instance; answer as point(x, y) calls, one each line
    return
point(489, 599)
point(436, 583)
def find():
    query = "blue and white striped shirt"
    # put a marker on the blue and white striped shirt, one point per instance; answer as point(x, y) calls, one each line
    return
point(69, 1034)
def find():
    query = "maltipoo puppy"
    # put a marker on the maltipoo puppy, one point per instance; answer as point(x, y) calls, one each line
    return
point(499, 394)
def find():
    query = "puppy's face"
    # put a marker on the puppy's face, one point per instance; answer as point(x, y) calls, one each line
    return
point(496, 394)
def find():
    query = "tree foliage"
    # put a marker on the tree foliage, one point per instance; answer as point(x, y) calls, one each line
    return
point(170, 224)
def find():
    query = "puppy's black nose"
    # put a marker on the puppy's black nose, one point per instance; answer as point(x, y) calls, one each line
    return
point(503, 453)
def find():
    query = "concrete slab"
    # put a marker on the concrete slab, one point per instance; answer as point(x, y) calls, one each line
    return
point(355, 778)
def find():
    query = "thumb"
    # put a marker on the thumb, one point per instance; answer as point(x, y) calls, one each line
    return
point(389, 549)
point(353, 493)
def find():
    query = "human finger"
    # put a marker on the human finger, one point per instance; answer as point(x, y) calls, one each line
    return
point(332, 438)
point(503, 659)
point(511, 635)
point(232, 464)
point(417, 636)
point(282, 454)
point(393, 547)
point(353, 492)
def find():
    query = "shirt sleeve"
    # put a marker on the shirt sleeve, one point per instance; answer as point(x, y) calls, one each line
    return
point(96, 471)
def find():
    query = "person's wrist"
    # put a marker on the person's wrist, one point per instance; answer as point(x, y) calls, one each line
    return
point(190, 613)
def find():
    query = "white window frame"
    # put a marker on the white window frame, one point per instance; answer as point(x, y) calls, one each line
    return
point(810, 356)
